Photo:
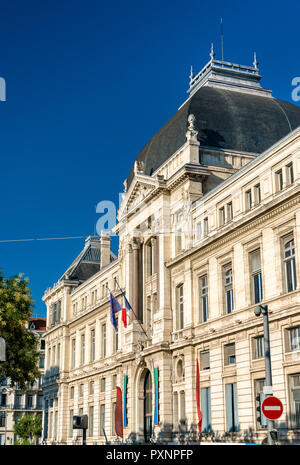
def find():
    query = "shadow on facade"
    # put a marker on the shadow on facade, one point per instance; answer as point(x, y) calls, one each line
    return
point(50, 395)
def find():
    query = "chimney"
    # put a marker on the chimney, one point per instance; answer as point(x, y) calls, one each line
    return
point(104, 249)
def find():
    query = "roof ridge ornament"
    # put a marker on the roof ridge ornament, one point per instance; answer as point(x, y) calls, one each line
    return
point(212, 51)
point(255, 62)
point(191, 74)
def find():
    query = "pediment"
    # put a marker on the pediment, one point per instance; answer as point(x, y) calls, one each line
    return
point(140, 188)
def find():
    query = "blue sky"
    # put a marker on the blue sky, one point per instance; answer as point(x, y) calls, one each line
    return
point(88, 83)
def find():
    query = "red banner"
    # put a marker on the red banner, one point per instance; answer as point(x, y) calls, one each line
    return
point(119, 414)
point(198, 399)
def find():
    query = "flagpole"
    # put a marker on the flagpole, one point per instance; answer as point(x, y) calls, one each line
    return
point(132, 309)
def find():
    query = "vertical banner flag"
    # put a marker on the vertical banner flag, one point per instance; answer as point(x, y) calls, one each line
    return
point(125, 398)
point(198, 398)
point(114, 308)
point(155, 373)
point(118, 414)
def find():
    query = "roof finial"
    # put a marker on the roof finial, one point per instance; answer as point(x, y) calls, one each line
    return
point(255, 62)
point(212, 52)
point(191, 74)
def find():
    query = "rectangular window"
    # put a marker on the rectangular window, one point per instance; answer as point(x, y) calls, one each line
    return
point(72, 392)
point(294, 384)
point(102, 384)
point(91, 421)
point(102, 419)
point(18, 401)
point(256, 277)
point(91, 388)
point(180, 307)
point(92, 345)
point(231, 407)
point(290, 174)
point(114, 381)
point(248, 199)
point(257, 194)
point(259, 350)
point(279, 181)
point(29, 401)
point(289, 264)
point(229, 354)
point(294, 338)
point(228, 288)
point(2, 420)
point(81, 390)
point(204, 360)
point(71, 423)
point(206, 228)
point(73, 354)
point(104, 340)
point(204, 298)
point(222, 216)
point(261, 420)
point(199, 232)
point(229, 211)
point(3, 399)
point(206, 410)
point(82, 353)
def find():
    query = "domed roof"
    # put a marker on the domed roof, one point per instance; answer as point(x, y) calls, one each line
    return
point(225, 119)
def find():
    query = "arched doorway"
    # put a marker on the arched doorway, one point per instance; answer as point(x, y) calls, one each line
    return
point(148, 407)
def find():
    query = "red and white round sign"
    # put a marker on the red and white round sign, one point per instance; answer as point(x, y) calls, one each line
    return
point(272, 408)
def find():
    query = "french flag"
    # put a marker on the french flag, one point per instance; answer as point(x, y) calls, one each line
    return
point(126, 306)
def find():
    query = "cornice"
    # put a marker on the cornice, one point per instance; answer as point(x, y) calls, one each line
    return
point(235, 231)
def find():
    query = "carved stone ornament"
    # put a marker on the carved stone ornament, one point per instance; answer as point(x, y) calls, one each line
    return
point(139, 166)
point(140, 360)
point(191, 133)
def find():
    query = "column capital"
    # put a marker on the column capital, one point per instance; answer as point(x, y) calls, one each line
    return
point(136, 243)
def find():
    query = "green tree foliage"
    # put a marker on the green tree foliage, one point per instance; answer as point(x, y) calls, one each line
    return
point(16, 304)
point(26, 425)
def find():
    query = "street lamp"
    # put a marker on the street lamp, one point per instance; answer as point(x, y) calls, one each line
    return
point(263, 310)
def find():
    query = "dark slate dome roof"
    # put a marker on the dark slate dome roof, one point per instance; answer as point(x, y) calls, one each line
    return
point(225, 119)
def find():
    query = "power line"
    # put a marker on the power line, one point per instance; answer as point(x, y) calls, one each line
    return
point(43, 239)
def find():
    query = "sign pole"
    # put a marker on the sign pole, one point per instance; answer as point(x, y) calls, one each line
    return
point(270, 423)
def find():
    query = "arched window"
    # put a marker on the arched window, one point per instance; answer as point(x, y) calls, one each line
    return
point(148, 407)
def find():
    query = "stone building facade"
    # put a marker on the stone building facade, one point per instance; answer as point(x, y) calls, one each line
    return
point(208, 229)
point(15, 402)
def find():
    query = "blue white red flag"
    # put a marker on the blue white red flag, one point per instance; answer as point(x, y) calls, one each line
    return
point(125, 308)
point(115, 307)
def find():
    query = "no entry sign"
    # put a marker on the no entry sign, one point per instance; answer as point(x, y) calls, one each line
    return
point(272, 408)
